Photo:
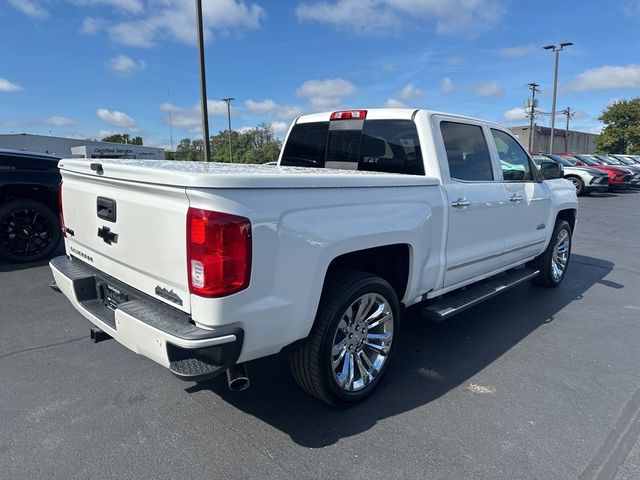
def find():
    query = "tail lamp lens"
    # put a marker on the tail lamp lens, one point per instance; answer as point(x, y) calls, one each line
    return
point(60, 212)
point(219, 253)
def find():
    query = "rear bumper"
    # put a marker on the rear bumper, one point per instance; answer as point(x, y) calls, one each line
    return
point(147, 326)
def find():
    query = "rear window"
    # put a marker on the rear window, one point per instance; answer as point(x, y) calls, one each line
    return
point(390, 146)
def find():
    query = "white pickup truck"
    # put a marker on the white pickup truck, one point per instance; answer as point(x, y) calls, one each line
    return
point(203, 267)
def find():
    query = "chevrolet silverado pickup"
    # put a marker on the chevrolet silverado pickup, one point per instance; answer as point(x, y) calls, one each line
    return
point(203, 267)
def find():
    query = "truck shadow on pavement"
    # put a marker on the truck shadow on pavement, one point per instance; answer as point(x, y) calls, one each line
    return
point(14, 267)
point(431, 360)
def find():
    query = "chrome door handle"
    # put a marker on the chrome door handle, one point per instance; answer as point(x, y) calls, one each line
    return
point(515, 198)
point(461, 203)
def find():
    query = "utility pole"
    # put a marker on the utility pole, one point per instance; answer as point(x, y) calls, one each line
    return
point(533, 106)
point(229, 100)
point(203, 83)
point(567, 111)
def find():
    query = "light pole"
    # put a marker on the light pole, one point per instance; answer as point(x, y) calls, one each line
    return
point(203, 82)
point(228, 100)
point(557, 51)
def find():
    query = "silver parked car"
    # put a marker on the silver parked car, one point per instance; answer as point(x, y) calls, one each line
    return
point(585, 179)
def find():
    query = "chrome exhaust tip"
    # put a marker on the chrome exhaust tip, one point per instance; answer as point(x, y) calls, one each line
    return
point(237, 377)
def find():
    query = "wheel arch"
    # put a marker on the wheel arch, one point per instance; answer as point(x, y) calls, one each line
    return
point(390, 262)
point(570, 215)
point(38, 192)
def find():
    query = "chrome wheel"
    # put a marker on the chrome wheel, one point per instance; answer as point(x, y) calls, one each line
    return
point(560, 255)
point(362, 342)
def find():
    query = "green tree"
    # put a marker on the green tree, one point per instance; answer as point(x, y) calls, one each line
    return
point(255, 145)
point(190, 149)
point(621, 132)
point(123, 138)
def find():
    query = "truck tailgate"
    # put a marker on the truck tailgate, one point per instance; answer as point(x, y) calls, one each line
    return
point(142, 242)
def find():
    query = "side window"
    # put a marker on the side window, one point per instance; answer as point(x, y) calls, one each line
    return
point(513, 159)
point(467, 152)
point(391, 146)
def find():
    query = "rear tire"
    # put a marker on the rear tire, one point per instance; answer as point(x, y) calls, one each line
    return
point(29, 231)
point(353, 339)
point(554, 261)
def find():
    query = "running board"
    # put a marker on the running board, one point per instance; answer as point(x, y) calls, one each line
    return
point(459, 300)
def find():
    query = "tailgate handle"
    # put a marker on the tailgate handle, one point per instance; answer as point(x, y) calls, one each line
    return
point(106, 209)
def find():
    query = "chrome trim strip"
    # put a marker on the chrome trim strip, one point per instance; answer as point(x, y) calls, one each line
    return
point(495, 255)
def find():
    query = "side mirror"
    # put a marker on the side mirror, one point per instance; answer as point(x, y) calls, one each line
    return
point(551, 170)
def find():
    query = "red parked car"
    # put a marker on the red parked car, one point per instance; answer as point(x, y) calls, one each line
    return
point(619, 177)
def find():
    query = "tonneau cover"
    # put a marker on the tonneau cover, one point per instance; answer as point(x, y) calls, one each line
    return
point(235, 175)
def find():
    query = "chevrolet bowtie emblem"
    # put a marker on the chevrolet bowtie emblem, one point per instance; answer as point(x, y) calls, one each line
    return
point(107, 235)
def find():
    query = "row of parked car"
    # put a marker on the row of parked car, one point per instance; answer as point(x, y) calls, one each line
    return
point(597, 173)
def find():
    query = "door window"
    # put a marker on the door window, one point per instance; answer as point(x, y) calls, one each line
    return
point(467, 152)
point(514, 161)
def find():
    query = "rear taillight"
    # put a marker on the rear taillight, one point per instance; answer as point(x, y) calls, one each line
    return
point(62, 227)
point(218, 253)
point(349, 115)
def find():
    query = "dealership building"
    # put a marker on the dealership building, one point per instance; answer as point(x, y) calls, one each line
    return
point(73, 147)
point(574, 142)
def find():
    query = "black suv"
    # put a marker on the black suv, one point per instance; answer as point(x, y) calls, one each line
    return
point(29, 220)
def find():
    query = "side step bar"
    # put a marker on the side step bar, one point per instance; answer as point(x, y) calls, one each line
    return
point(459, 300)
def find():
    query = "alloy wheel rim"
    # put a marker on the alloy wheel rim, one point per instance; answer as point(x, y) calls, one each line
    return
point(25, 232)
point(362, 342)
point(575, 184)
point(560, 255)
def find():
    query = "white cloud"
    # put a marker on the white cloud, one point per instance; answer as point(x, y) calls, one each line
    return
point(515, 114)
point(129, 6)
point(279, 127)
point(123, 65)
point(393, 103)
point(7, 86)
point(456, 60)
point(29, 7)
point(606, 78)
point(273, 109)
point(92, 25)
point(176, 18)
point(517, 52)
point(488, 89)
point(59, 121)
point(410, 92)
point(115, 118)
point(631, 8)
point(447, 85)
point(388, 16)
point(326, 94)
point(361, 16)
point(190, 118)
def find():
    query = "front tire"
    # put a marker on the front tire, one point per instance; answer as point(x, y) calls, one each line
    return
point(554, 261)
point(577, 183)
point(353, 339)
point(29, 231)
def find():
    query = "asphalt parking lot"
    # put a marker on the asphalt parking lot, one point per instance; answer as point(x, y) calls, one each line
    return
point(537, 383)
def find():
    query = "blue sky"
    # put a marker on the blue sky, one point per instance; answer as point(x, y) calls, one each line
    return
point(87, 68)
